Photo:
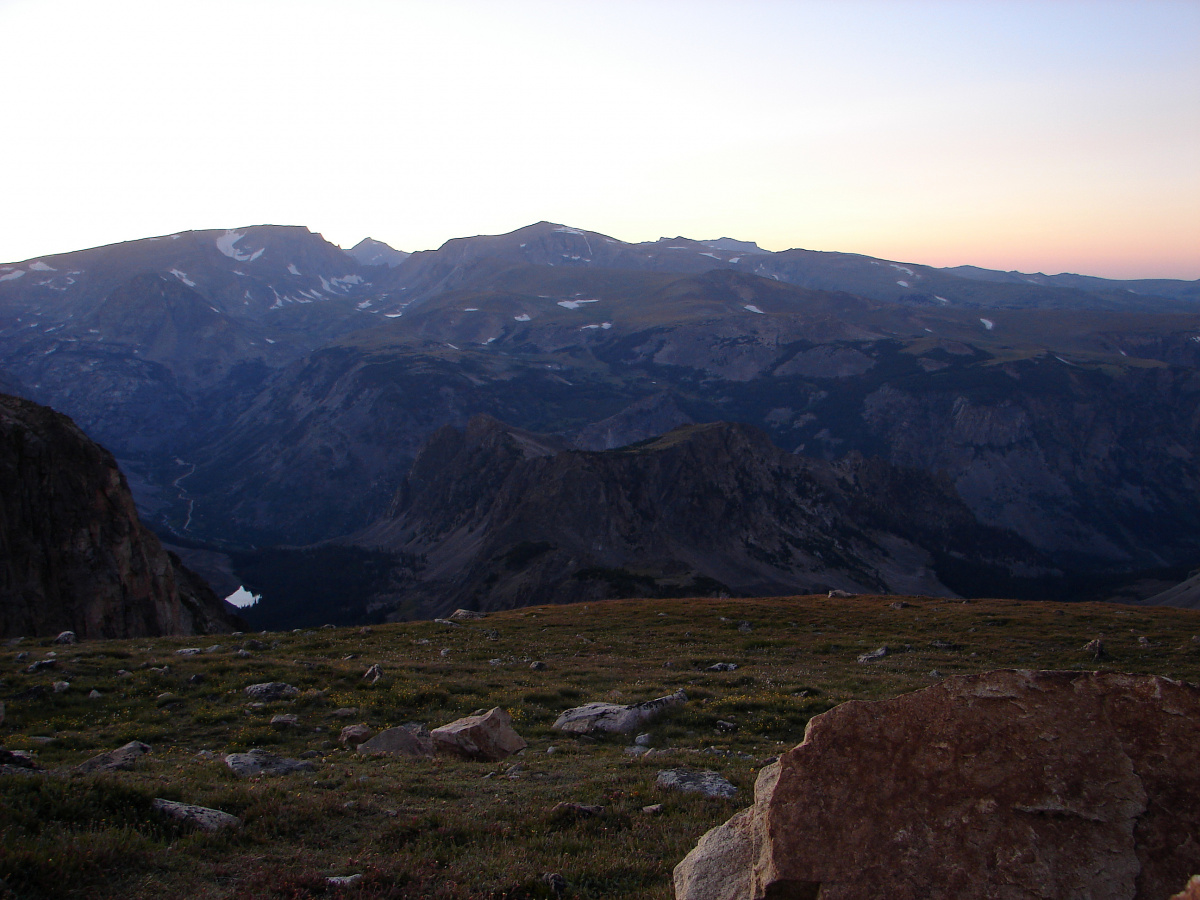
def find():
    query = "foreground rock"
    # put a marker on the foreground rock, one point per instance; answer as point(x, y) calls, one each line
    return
point(200, 817)
point(115, 760)
point(260, 762)
point(1011, 783)
point(489, 737)
point(614, 718)
point(406, 740)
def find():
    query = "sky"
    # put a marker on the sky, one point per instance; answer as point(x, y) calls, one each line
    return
point(1039, 136)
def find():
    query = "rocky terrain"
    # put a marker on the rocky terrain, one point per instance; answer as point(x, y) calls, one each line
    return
point(498, 517)
point(585, 751)
point(262, 387)
point(73, 554)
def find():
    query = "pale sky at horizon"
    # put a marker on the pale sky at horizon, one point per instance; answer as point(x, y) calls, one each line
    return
point(1041, 136)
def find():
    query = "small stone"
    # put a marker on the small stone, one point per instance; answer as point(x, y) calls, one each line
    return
point(566, 809)
point(745, 627)
point(198, 678)
point(61, 687)
point(725, 726)
point(643, 739)
point(66, 637)
point(1144, 641)
point(188, 651)
point(445, 651)
point(874, 655)
point(167, 697)
point(39, 665)
point(205, 754)
point(243, 654)
point(22, 656)
point(935, 674)
point(900, 604)
point(255, 645)
point(373, 674)
point(722, 667)
point(538, 666)
point(366, 629)
point(93, 694)
point(1096, 648)
point(327, 627)
point(551, 750)
point(215, 648)
point(841, 595)
point(449, 622)
point(636, 750)
point(123, 673)
point(285, 721)
point(346, 712)
point(653, 809)
point(466, 614)
point(161, 670)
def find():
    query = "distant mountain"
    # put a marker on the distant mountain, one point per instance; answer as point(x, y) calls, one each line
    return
point(75, 556)
point(262, 386)
point(371, 252)
point(1146, 287)
point(500, 517)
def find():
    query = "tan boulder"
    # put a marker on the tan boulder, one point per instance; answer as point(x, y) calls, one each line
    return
point(404, 740)
point(353, 735)
point(1191, 892)
point(1008, 784)
point(485, 736)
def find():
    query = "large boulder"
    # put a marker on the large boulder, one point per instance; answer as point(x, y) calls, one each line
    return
point(405, 740)
point(268, 691)
point(260, 762)
point(615, 718)
point(485, 736)
point(200, 817)
point(1008, 784)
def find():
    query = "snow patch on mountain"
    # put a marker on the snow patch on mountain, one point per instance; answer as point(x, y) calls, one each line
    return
point(40, 266)
point(226, 243)
point(574, 304)
point(754, 309)
point(523, 317)
point(182, 276)
point(292, 268)
point(12, 276)
point(988, 324)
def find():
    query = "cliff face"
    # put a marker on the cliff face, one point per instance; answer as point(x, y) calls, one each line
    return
point(73, 553)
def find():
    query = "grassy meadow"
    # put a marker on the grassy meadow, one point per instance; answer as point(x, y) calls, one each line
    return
point(447, 828)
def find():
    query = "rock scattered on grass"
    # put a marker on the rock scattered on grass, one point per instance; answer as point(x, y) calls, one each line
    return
point(344, 880)
point(285, 720)
point(466, 614)
point(271, 690)
point(614, 718)
point(200, 817)
point(260, 762)
point(115, 760)
point(487, 736)
point(61, 687)
point(722, 667)
point(873, 655)
point(373, 674)
point(708, 783)
point(353, 735)
point(66, 637)
point(412, 739)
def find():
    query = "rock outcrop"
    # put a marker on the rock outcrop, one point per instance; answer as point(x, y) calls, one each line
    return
point(404, 740)
point(73, 553)
point(1011, 783)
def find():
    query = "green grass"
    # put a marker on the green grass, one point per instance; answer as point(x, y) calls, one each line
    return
point(451, 829)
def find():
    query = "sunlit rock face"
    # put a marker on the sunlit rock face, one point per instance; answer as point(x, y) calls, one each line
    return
point(1011, 783)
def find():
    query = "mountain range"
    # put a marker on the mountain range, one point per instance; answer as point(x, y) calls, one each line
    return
point(263, 387)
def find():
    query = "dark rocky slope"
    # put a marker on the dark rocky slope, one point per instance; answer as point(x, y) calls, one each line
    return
point(496, 517)
point(75, 556)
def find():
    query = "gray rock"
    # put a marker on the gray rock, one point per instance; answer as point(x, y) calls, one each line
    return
point(343, 880)
point(200, 817)
point(722, 667)
point(466, 614)
point(17, 759)
point(538, 666)
point(260, 762)
point(115, 760)
point(841, 595)
point(745, 627)
point(66, 637)
point(285, 721)
point(642, 740)
point(61, 687)
point(255, 645)
point(873, 655)
point(373, 674)
point(346, 712)
point(708, 783)
point(188, 651)
point(406, 740)
point(614, 718)
point(449, 622)
point(39, 665)
point(271, 690)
